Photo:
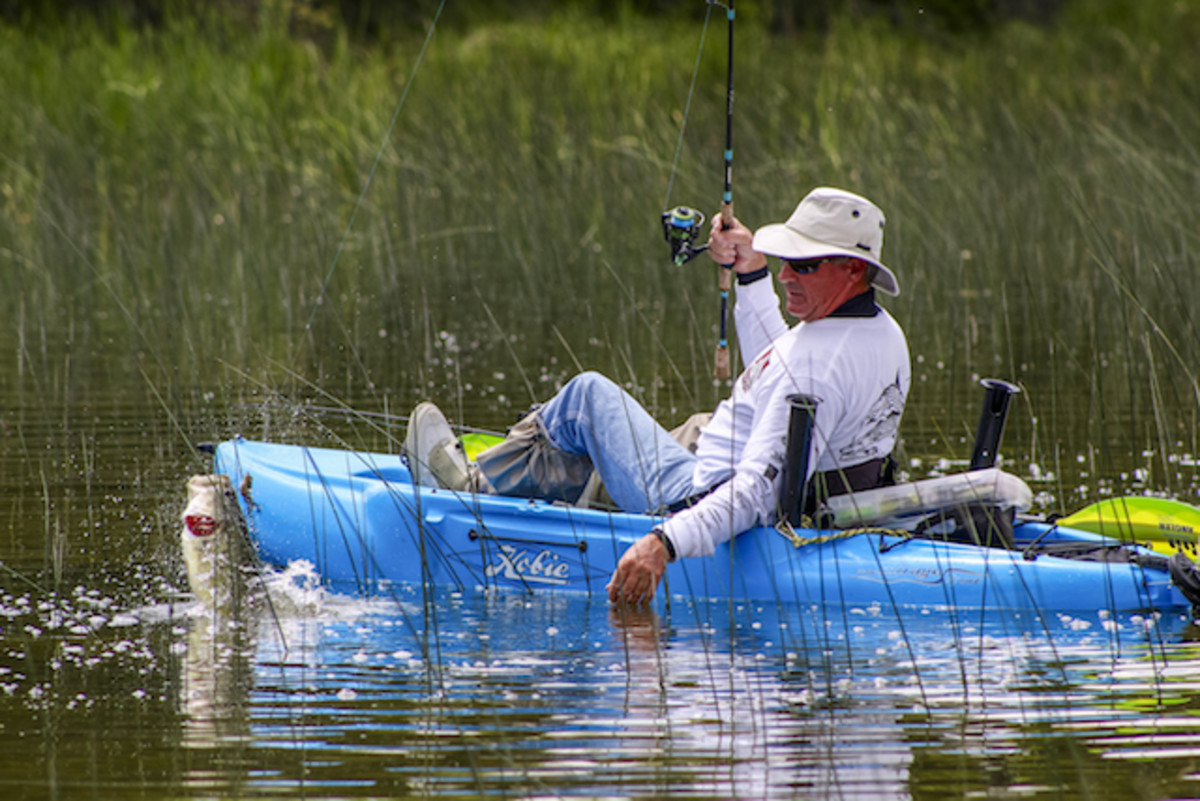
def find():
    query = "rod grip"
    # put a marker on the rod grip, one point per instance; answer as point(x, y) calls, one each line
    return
point(721, 363)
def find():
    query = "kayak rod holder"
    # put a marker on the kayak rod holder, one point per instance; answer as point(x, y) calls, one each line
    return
point(991, 422)
point(799, 446)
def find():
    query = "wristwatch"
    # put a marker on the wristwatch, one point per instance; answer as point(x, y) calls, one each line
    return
point(666, 541)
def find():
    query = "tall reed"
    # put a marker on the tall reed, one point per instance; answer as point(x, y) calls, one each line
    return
point(174, 199)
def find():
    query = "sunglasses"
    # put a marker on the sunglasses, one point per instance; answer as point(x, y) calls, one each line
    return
point(804, 266)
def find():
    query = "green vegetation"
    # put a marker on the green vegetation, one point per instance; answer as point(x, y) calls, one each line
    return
point(173, 200)
point(189, 245)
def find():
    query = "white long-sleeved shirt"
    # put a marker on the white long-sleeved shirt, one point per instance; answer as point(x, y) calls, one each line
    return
point(858, 369)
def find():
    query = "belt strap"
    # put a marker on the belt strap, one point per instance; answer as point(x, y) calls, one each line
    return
point(868, 475)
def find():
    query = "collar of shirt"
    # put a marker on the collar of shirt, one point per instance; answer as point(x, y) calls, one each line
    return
point(861, 305)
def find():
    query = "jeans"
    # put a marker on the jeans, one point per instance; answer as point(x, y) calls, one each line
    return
point(644, 469)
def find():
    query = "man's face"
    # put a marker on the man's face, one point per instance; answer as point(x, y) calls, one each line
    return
point(817, 287)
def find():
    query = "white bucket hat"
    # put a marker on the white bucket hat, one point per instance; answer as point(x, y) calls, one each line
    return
point(831, 222)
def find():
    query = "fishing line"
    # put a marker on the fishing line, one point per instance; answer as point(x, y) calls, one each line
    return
point(629, 294)
point(375, 165)
point(681, 224)
point(687, 106)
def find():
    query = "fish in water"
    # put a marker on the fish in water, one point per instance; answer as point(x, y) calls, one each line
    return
point(213, 539)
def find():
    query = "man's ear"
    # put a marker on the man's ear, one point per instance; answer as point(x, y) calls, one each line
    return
point(857, 269)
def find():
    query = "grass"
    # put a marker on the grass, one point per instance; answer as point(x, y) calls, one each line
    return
point(173, 200)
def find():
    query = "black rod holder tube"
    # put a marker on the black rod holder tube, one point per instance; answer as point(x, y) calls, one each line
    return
point(991, 422)
point(799, 445)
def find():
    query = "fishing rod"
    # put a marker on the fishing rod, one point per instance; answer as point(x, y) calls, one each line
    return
point(681, 225)
point(725, 274)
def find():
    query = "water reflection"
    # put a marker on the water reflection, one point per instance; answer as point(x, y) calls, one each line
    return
point(536, 695)
point(215, 683)
point(515, 695)
point(762, 728)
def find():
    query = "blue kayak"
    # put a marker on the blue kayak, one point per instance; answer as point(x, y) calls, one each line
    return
point(360, 520)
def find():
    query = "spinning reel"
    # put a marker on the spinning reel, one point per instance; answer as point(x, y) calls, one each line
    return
point(681, 225)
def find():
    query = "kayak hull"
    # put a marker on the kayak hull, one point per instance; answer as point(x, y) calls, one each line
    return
point(359, 519)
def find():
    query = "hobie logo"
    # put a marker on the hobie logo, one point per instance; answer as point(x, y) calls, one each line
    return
point(522, 565)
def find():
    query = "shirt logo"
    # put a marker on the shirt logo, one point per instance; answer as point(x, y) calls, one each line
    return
point(878, 428)
point(756, 368)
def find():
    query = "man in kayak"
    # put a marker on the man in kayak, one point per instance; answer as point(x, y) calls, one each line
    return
point(846, 352)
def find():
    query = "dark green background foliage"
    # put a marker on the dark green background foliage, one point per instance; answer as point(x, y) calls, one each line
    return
point(374, 19)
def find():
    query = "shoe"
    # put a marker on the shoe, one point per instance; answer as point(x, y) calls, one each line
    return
point(434, 455)
point(449, 465)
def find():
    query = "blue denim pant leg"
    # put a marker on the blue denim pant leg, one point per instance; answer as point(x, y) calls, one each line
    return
point(643, 467)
